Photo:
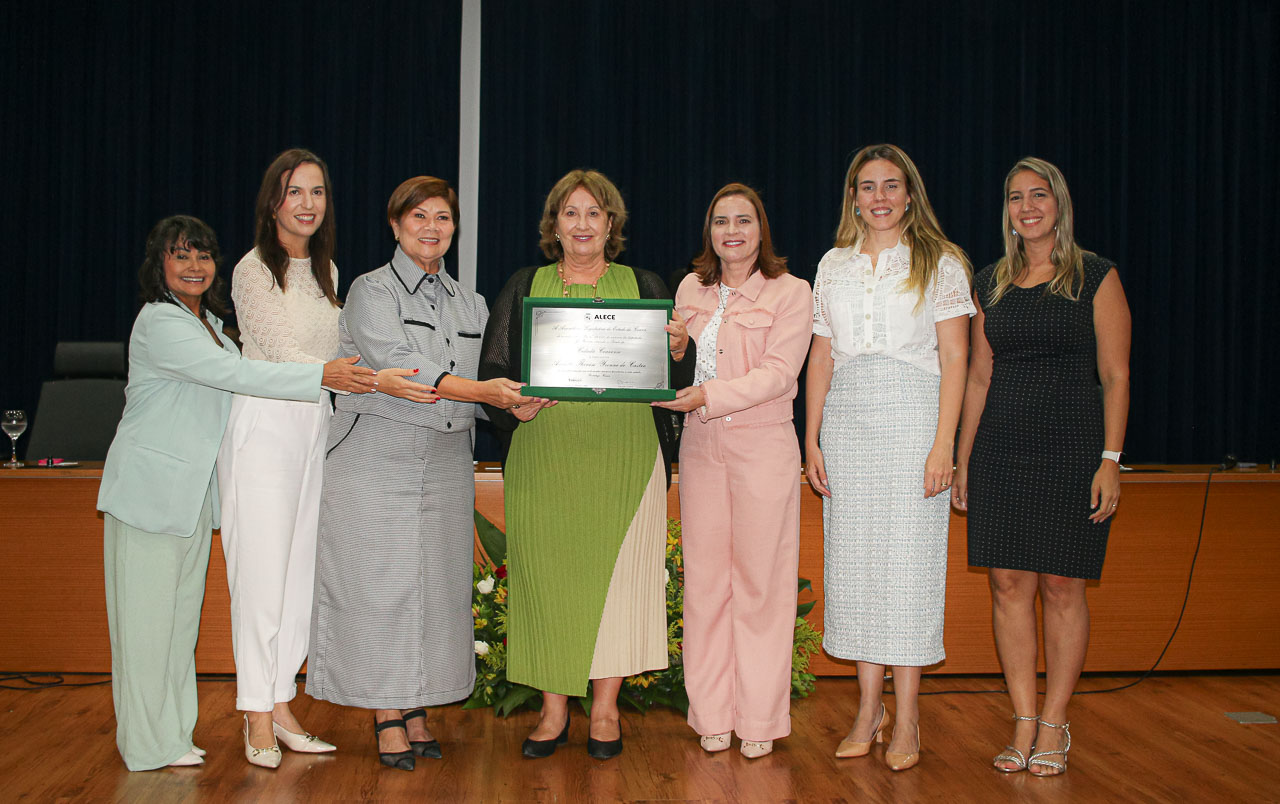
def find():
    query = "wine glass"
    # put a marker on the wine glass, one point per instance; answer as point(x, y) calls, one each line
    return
point(14, 424)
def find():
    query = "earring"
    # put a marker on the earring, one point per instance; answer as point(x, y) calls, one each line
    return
point(1013, 232)
point(557, 237)
point(908, 207)
point(857, 211)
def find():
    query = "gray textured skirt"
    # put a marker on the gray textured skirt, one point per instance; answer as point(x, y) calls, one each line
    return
point(391, 625)
point(885, 549)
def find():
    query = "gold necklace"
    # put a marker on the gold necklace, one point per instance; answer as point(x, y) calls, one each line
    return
point(564, 281)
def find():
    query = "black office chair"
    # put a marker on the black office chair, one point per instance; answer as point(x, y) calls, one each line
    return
point(77, 415)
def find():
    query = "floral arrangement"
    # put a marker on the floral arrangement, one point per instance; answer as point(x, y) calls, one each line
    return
point(643, 691)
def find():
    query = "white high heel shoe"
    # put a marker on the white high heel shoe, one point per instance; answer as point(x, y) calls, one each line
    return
point(711, 743)
point(262, 757)
point(754, 749)
point(302, 743)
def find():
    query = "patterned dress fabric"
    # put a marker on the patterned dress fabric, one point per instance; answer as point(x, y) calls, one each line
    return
point(586, 527)
point(1040, 438)
point(391, 625)
point(885, 547)
point(706, 368)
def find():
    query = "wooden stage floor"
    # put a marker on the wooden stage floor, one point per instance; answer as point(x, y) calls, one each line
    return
point(1165, 740)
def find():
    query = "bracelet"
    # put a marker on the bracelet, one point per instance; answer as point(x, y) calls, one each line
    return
point(1111, 455)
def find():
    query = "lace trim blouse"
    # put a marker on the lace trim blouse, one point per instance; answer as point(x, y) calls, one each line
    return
point(866, 310)
point(295, 325)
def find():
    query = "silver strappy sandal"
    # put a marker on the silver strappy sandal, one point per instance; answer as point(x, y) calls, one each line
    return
point(1036, 758)
point(1011, 754)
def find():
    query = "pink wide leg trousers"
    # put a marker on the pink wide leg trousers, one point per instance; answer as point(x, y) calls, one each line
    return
point(740, 514)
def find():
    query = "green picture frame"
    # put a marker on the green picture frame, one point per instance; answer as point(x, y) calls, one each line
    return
point(605, 393)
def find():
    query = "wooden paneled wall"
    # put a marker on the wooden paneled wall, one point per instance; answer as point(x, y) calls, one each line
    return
point(52, 613)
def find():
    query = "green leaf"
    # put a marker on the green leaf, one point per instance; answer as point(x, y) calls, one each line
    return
point(805, 585)
point(804, 608)
point(517, 697)
point(492, 540)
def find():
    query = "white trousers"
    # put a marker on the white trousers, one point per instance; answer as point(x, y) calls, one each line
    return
point(270, 470)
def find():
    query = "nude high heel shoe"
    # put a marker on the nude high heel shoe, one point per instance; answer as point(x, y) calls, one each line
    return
point(849, 748)
point(711, 743)
point(901, 762)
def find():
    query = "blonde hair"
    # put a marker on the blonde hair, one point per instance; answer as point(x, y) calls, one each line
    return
point(920, 229)
point(605, 194)
point(1067, 257)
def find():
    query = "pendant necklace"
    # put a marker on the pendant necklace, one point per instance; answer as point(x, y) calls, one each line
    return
point(564, 280)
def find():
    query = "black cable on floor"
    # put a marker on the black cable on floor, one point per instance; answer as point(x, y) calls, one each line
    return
point(34, 682)
point(1186, 595)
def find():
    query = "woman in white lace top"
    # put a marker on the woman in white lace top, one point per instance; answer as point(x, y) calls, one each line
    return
point(271, 461)
point(886, 379)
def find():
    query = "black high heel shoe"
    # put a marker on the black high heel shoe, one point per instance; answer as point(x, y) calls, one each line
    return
point(541, 749)
point(604, 749)
point(393, 759)
point(423, 748)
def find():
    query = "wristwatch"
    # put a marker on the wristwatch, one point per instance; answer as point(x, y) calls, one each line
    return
point(1111, 455)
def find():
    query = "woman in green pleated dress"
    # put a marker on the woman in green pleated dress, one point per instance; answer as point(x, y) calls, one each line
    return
point(585, 485)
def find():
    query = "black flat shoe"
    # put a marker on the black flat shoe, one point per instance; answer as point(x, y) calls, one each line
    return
point(423, 748)
point(402, 760)
point(541, 749)
point(604, 749)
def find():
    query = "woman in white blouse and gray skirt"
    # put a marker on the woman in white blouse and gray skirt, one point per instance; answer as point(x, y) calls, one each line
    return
point(885, 383)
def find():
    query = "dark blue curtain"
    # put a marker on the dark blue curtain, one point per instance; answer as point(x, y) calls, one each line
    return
point(1161, 115)
point(117, 114)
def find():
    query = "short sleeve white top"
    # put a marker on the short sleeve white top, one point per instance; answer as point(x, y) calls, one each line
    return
point(297, 325)
point(866, 310)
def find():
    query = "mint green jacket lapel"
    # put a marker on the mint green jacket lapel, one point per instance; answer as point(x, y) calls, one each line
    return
point(176, 407)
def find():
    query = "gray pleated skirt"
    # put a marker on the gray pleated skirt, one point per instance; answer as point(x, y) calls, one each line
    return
point(885, 549)
point(391, 625)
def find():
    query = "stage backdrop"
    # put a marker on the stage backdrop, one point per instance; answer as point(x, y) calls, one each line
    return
point(1161, 115)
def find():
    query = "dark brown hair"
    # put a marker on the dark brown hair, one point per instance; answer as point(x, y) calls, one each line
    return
point(267, 240)
point(413, 192)
point(707, 264)
point(606, 195)
point(173, 231)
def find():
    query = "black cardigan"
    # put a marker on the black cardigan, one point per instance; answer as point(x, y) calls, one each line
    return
point(501, 352)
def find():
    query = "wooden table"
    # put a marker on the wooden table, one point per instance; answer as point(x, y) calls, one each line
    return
point(53, 618)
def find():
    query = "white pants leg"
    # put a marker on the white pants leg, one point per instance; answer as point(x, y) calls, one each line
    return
point(269, 476)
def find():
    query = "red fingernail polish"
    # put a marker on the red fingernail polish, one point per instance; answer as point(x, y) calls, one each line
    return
point(415, 371)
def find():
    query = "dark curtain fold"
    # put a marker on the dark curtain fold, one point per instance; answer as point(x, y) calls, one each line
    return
point(117, 114)
point(1161, 115)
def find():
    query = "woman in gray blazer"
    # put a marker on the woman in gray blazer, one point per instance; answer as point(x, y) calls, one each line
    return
point(159, 494)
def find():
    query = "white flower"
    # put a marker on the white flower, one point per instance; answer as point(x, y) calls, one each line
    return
point(486, 586)
point(482, 648)
point(666, 577)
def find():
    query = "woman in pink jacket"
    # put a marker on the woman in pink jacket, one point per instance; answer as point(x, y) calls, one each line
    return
point(740, 476)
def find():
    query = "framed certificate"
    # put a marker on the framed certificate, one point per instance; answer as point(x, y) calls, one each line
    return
point(597, 349)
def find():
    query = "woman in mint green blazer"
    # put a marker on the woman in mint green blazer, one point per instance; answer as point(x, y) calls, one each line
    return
point(159, 493)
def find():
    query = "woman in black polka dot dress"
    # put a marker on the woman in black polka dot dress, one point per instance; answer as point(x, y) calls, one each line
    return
point(1038, 467)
